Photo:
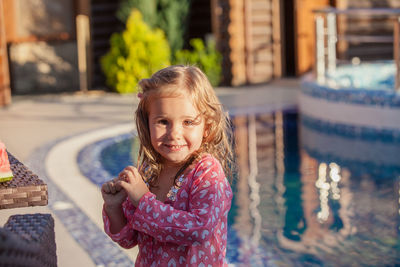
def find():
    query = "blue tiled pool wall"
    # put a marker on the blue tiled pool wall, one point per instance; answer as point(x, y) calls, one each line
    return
point(350, 132)
point(351, 95)
point(373, 88)
point(371, 92)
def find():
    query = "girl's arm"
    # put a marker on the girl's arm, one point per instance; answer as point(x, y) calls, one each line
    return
point(209, 201)
point(116, 217)
point(116, 226)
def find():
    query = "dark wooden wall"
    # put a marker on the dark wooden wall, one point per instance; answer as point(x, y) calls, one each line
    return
point(103, 23)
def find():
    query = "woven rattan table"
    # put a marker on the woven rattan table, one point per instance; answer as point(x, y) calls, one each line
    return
point(26, 239)
point(25, 189)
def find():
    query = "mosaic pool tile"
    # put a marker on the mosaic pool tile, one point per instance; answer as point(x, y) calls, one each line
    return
point(102, 250)
point(351, 131)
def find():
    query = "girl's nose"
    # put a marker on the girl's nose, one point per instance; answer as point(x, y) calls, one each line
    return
point(175, 131)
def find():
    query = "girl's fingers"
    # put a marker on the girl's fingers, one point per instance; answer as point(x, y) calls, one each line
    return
point(132, 170)
point(129, 174)
point(121, 176)
point(112, 188)
point(118, 186)
point(123, 185)
point(105, 188)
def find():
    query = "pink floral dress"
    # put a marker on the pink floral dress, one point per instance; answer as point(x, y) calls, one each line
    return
point(188, 229)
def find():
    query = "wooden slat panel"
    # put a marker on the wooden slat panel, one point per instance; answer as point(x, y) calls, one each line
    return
point(5, 91)
point(264, 30)
point(365, 26)
point(237, 42)
point(261, 2)
point(258, 21)
point(262, 17)
point(276, 37)
point(261, 6)
point(264, 55)
point(261, 41)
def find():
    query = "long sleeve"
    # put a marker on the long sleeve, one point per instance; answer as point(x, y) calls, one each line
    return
point(208, 197)
point(127, 237)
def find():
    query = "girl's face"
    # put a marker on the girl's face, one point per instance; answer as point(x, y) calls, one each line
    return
point(176, 128)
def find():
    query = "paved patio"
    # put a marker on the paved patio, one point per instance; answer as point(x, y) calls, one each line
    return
point(47, 133)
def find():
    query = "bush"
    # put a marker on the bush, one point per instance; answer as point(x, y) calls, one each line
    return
point(168, 15)
point(134, 54)
point(206, 57)
point(172, 19)
point(148, 8)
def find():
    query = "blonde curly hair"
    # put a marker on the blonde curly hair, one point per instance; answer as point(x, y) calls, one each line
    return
point(171, 81)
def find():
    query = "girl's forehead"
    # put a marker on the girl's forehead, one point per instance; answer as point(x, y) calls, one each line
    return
point(172, 91)
point(173, 105)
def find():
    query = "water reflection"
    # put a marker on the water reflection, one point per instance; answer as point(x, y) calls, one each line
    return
point(294, 205)
point(305, 197)
point(248, 192)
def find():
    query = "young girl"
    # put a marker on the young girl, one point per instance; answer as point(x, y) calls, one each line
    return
point(175, 206)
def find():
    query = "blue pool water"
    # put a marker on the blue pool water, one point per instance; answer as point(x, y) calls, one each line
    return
point(306, 206)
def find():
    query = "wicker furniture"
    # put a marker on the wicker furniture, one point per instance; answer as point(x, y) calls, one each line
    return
point(27, 239)
point(25, 189)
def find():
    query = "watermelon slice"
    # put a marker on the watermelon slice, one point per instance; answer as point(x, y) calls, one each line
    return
point(5, 170)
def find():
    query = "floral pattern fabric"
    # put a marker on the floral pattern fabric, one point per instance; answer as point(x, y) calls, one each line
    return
point(189, 229)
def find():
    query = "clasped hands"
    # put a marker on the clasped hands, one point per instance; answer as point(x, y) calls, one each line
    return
point(129, 182)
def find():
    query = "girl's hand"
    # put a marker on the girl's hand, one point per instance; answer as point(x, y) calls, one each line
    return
point(113, 194)
point(133, 183)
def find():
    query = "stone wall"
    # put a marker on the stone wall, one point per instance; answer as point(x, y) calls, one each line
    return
point(42, 46)
point(44, 67)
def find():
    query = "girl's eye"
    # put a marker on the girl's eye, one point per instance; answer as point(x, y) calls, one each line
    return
point(162, 122)
point(188, 122)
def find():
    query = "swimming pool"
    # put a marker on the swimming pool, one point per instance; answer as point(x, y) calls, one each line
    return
point(357, 100)
point(296, 202)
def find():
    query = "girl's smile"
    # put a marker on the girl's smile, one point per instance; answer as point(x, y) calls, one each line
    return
point(176, 127)
point(174, 148)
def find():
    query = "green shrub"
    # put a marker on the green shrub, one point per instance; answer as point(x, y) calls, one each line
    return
point(206, 57)
point(168, 15)
point(172, 19)
point(148, 8)
point(134, 54)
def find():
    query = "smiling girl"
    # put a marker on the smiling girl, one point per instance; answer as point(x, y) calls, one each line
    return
point(175, 206)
